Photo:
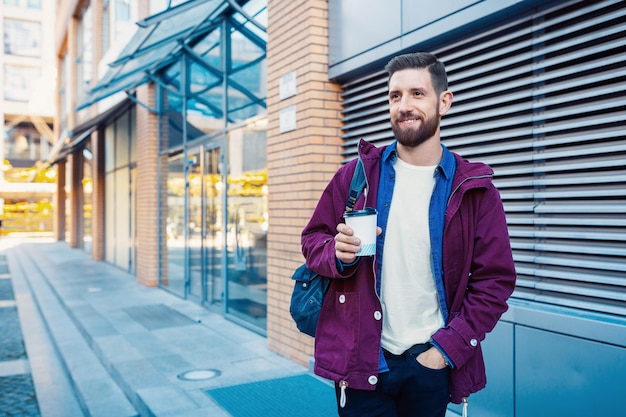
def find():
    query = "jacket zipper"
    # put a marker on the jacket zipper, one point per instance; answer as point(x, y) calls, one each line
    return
point(342, 398)
point(463, 182)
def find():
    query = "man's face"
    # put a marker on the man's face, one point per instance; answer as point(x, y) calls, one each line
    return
point(413, 107)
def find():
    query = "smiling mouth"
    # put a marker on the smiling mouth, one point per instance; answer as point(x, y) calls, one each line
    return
point(406, 122)
point(408, 119)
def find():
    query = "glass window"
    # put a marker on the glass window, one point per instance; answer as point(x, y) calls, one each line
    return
point(11, 2)
point(18, 82)
point(132, 138)
point(247, 225)
point(109, 148)
point(63, 97)
point(157, 6)
point(120, 195)
point(106, 23)
point(121, 227)
point(22, 38)
point(204, 107)
point(247, 80)
point(87, 197)
point(171, 126)
point(121, 141)
point(257, 9)
point(24, 142)
point(84, 59)
point(122, 10)
point(175, 223)
point(109, 212)
point(123, 23)
point(34, 4)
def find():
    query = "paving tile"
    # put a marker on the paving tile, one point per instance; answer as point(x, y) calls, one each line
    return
point(16, 367)
point(17, 398)
point(11, 342)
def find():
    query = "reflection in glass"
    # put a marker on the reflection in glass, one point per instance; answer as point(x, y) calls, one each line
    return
point(18, 82)
point(206, 91)
point(87, 196)
point(247, 226)
point(194, 225)
point(22, 38)
point(174, 229)
point(247, 77)
point(174, 120)
point(214, 242)
point(84, 53)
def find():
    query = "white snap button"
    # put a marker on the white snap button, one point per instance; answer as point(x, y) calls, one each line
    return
point(342, 298)
point(474, 342)
point(378, 315)
point(373, 380)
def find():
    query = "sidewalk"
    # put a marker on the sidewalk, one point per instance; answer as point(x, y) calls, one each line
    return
point(99, 344)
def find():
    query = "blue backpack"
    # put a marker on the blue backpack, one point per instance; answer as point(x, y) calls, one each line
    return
point(310, 287)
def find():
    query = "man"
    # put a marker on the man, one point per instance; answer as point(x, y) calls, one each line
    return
point(400, 331)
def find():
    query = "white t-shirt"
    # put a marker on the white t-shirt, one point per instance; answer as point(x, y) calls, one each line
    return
point(411, 311)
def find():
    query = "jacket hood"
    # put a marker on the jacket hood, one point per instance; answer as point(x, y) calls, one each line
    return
point(368, 150)
point(466, 169)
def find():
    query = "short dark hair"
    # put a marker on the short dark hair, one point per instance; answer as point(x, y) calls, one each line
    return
point(420, 60)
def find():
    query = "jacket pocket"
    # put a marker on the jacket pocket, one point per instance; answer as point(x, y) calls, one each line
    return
point(337, 336)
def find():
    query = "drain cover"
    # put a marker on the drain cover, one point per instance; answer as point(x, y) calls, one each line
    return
point(199, 374)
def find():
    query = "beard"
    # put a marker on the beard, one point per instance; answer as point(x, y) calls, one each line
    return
point(410, 137)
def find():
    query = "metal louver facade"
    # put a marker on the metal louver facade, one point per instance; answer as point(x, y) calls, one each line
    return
point(542, 99)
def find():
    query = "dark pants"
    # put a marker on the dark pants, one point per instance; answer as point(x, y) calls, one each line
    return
point(407, 390)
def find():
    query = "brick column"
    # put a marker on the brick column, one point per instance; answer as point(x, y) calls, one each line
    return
point(147, 190)
point(76, 200)
point(300, 161)
point(98, 196)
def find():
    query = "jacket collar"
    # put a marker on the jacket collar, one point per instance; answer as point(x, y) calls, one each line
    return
point(446, 166)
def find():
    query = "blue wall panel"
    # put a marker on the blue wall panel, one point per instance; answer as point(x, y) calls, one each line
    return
point(416, 14)
point(365, 32)
point(496, 400)
point(558, 375)
point(359, 25)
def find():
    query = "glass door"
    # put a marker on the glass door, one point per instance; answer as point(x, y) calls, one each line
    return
point(195, 283)
point(174, 279)
point(214, 203)
point(247, 224)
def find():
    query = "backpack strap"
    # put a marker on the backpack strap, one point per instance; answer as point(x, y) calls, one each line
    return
point(357, 185)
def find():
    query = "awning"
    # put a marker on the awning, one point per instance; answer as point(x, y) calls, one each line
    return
point(158, 42)
point(71, 140)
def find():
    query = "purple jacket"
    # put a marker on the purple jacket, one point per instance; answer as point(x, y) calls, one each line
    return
point(479, 276)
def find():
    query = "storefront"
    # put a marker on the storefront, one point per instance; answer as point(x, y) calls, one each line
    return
point(202, 66)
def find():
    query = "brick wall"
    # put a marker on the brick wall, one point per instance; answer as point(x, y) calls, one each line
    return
point(98, 196)
point(300, 161)
point(147, 190)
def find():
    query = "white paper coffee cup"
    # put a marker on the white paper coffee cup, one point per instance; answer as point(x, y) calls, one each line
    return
point(363, 222)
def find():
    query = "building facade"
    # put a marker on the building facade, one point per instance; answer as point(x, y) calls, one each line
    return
point(27, 78)
point(198, 141)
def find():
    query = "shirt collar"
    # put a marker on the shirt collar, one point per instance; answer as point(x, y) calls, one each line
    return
point(446, 166)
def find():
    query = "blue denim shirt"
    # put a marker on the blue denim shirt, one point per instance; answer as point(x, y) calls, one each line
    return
point(444, 174)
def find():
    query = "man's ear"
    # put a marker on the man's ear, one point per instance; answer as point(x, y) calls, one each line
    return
point(445, 102)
